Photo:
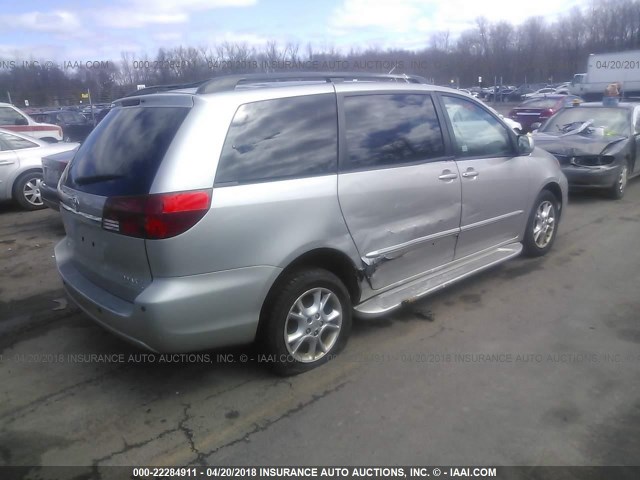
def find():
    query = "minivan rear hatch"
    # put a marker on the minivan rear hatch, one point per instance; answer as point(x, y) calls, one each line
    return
point(119, 160)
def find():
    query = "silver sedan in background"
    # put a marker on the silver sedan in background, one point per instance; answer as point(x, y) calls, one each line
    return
point(21, 167)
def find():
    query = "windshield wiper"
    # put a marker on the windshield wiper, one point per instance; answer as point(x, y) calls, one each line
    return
point(95, 179)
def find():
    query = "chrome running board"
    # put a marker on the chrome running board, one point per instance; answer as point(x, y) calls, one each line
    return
point(431, 282)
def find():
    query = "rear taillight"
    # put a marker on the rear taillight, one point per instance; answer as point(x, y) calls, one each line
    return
point(155, 216)
point(546, 113)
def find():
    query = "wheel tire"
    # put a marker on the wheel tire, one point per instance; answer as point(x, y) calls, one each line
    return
point(26, 191)
point(542, 225)
point(616, 191)
point(308, 328)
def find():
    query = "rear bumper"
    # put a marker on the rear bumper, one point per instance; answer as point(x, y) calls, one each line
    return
point(583, 177)
point(178, 314)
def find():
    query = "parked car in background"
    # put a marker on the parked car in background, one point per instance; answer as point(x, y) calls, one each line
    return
point(90, 112)
point(517, 94)
point(563, 89)
point(537, 110)
point(21, 167)
point(475, 92)
point(75, 127)
point(101, 114)
point(597, 146)
point(52, 168)
point(221, 215)
point(515, 126)
point(499, 94)
point(539, 93)
point(15, 120)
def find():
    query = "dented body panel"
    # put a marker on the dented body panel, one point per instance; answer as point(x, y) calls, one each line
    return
point(404, 221)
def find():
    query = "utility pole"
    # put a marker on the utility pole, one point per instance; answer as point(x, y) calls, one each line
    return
point(9, 95)
point(93, 117)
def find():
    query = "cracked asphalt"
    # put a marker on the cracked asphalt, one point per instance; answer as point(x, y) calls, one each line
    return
point(535, 362)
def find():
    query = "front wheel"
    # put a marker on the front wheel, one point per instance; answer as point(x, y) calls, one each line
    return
point(616, 191)
point(542, 225)
point(307, 322)
point(26, 191)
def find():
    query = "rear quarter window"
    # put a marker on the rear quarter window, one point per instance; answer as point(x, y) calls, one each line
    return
point(282, 138)
point(13, 142)
point(123, 154)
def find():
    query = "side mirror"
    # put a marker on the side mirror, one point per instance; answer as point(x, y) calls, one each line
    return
point(525, 144)
point(535, 125)
point(21, 121)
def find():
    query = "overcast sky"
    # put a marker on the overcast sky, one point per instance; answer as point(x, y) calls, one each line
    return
point(75, 30)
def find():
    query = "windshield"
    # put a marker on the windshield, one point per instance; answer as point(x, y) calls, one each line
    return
point(541, 103)
point(614, 121)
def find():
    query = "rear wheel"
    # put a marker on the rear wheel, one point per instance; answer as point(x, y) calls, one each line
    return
point(542, 225)
point(616, 191)
point(307, 322)
point(26, 191)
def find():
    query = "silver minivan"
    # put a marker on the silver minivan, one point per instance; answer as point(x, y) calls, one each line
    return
point(274, 208)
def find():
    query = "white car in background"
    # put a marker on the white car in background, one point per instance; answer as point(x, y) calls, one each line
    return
point(515, 126)
point(539, 93)
point(15, 120)
point(563, 89)
point(21, 167)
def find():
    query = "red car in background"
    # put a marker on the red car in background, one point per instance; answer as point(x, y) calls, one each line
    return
point(541, 108)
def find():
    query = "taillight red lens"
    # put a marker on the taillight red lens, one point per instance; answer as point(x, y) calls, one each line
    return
point(155, 216)
point(546, 113)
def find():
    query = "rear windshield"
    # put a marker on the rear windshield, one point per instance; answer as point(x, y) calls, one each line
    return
point(124, 152)
point(541, 103)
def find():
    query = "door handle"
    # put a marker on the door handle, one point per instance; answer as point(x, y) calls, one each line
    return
point(470, 174)
point(448, 176)
point(6, 162)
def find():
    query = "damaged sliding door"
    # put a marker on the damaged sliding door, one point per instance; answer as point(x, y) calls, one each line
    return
point(400, 194)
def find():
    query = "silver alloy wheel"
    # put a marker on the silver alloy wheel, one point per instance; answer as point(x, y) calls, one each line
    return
point(544, 224)
point(622, 178)
point(31, 191)
point(313, 325)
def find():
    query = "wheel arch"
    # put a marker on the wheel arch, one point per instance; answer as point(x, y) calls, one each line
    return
point(555, 189)
point(332, 260)
point(20, 174)
point(328, 259)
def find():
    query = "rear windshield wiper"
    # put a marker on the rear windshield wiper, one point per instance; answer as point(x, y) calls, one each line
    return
point(95, 179)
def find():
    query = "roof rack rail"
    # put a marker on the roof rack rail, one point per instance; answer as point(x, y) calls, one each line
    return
point(164, 88)
point(230, 82)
